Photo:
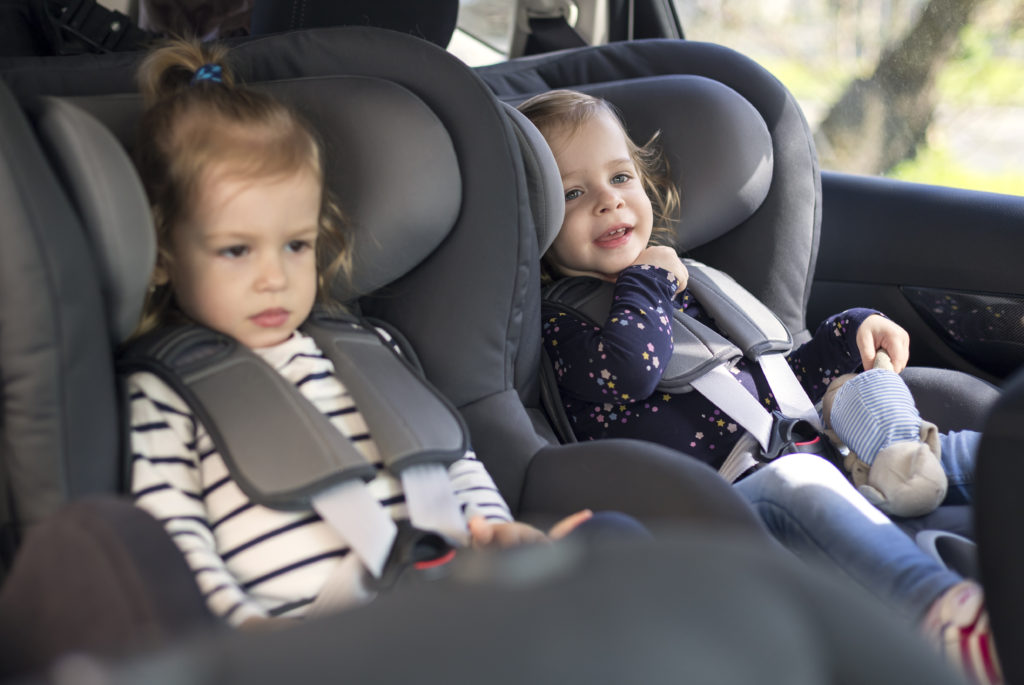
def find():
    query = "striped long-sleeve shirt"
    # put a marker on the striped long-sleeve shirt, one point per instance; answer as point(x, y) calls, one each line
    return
point(250, 560)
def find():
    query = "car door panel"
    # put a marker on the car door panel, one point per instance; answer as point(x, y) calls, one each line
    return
point(944, 263)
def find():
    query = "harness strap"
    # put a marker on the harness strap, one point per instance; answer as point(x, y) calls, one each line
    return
point(356, 515)
point(789, 394)
point(729, 395)
point(415, 443)
point(432, 504)
point(548, 34)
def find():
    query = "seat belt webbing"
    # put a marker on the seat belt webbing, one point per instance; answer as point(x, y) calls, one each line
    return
point(722, 389)
point(789, 394)
point(351, 510)
point(432, 504)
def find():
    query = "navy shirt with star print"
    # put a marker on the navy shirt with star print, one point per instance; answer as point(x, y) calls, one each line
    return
point(607, 375)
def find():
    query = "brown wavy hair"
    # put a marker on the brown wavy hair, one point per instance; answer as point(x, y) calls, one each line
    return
point(568, 111)
point(189, 126)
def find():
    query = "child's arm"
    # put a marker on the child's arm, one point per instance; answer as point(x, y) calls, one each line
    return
point(623, 360)
point(476, 492)
point(166, 482)
point(831, 352)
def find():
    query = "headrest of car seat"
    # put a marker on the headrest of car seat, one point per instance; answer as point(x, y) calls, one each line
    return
point(718, 149)
point(547, 197)
point(392, 166)
point(111, 202)
point(389, 161)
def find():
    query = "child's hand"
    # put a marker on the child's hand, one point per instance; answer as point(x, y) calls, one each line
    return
point(878, 332)
point(484, 533)
point(667, 259)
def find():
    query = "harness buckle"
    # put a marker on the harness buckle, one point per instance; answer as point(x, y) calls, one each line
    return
point(416, 556)
point(791, 435)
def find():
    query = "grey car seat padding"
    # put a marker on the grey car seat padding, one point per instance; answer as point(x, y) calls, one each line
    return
point(59, 397)
point(384, 140)
point(1000, 472)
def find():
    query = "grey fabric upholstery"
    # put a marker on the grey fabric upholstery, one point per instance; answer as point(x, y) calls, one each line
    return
point(999, 508)
point(547, 203)
point(59, 431)
point(696, 607)
point(109, 197)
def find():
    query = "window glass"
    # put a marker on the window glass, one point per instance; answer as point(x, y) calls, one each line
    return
point(923, 90)
point(484, 33)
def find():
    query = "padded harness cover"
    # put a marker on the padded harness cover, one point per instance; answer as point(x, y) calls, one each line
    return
point(278, 447)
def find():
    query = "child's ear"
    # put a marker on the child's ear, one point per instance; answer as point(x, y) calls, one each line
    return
point(160, 275)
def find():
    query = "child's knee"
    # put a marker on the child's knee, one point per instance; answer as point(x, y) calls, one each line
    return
point(794, 471)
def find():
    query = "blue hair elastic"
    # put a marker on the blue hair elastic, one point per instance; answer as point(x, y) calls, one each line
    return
point(207, 72)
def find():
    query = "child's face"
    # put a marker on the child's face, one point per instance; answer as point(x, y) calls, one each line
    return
point(608, 216)
point(245, 264)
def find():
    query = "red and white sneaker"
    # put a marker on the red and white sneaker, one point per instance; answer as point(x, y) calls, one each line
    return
point(959, 624)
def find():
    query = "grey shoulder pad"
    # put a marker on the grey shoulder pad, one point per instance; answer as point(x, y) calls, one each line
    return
point(410, 421)
point(743, 318)
point(277, 446)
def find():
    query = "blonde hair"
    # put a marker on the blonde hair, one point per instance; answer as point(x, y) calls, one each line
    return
point(568, 111)
point(190, 125)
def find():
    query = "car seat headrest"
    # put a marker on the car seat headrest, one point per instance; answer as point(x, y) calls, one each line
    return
point(717, 145)
point(544, 183)
point(390, 163)
point(718, 149)
point(392, 167)
point(111, 202)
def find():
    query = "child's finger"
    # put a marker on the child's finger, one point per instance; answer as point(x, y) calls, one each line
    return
point(480, 531)
point(569, 524)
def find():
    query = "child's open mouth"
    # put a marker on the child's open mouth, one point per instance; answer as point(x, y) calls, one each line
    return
point(614, 237)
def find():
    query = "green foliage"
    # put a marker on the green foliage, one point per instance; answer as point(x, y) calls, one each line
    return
point(979, 76)
point(937, 166)
point(819, 81)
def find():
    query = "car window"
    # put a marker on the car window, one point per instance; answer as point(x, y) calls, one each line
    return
point(484, 32)
point(921, 90)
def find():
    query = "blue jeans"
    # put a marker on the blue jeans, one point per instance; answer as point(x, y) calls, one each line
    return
point(812, 509)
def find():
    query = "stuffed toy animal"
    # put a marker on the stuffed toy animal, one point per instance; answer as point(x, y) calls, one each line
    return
point(893, 457)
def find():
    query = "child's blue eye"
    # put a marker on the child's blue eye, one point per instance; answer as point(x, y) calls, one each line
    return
point(620, 178)
point(572, 195)
point(234, 251)
point(299, 245)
